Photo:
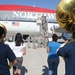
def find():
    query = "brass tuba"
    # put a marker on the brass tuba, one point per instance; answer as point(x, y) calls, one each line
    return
point(65, 15)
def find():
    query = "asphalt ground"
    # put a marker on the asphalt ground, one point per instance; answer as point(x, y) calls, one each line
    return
point(35, 63)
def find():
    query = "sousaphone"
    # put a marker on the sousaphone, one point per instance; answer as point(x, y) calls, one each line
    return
point(65, 15)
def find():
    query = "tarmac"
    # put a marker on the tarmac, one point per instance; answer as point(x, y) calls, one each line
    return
point(35, 63)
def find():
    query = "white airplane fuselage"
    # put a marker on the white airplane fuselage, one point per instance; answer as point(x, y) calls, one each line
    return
point(26, 27)
point(25, 19)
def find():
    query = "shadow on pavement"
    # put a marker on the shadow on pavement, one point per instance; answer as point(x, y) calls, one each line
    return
point(45, 70)
point(23, 70)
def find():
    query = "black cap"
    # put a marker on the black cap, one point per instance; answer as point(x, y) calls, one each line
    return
point(65, 36)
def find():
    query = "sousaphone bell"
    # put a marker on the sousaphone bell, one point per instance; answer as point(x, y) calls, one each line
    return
point(65, 15)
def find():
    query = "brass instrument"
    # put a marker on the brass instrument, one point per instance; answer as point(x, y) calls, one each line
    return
point(1, 25)
point(65, 15)
point(10, 64)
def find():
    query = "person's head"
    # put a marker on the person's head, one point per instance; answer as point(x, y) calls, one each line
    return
point(10, 39)
point(18, 39)
point(3, 31)
point(54, 37)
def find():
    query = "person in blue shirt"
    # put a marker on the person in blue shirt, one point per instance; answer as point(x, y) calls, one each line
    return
point(68, 53)
point(5, 53)
point(53, 59)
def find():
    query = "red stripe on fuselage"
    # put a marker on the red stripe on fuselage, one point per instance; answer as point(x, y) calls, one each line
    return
point(25, 8)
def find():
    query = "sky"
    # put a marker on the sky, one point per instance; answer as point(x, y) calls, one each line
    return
point(50, 4)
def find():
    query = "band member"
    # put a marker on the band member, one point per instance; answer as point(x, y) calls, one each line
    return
point(5, 53)
point(68, 53)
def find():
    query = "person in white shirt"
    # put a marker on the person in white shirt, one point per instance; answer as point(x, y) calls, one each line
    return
point(19, 50)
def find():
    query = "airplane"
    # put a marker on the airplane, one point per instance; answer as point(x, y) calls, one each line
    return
point(26, 19)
